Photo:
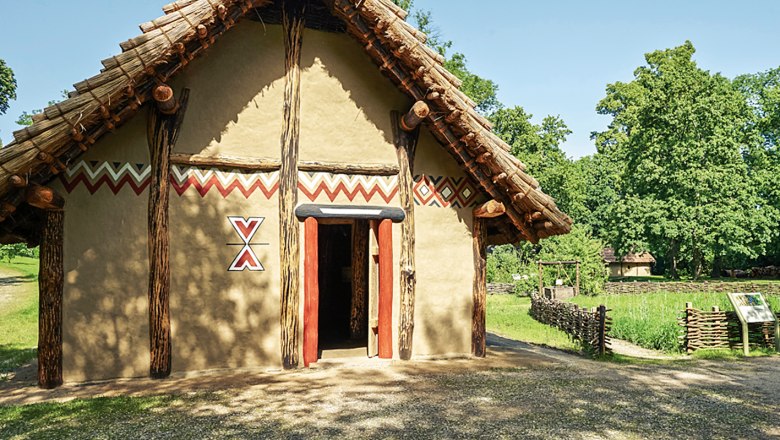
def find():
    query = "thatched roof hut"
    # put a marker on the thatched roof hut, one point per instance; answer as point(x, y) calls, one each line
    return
point(250, 71)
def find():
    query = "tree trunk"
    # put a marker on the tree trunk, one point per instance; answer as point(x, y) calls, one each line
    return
point(405, 148)
point(289, 235)
point(478, 332)
point(50, 285)
point(163, 131)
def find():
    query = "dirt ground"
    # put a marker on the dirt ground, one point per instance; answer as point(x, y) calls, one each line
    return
point(518, 391)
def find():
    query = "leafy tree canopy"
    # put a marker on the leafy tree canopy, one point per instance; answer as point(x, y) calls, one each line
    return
point(7, 87)
point(679, 135)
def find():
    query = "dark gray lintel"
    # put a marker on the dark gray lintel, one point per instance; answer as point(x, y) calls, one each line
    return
point(351, 212)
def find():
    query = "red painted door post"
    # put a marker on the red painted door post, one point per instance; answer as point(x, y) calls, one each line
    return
point(386, 289)
point(311, 292)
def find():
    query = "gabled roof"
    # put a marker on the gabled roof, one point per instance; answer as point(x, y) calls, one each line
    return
point(189, 27)
point(643, 257)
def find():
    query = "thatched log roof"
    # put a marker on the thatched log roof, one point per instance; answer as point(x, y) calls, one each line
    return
point(105, 101)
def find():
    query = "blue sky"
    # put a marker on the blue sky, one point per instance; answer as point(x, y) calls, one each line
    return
point(551, 57)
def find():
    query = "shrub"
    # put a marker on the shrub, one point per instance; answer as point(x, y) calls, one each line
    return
point(505, 261)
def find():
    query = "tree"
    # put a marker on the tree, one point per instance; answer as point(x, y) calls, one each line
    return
point(7, 87)
point(538, 147)
point(679, 137)
point(762, 91)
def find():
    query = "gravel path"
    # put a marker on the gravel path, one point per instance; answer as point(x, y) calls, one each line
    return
point(519, 391)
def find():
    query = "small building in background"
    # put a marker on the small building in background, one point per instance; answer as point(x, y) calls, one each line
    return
point(631, 265)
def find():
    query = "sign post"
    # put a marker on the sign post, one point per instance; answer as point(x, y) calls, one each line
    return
point(753, 308)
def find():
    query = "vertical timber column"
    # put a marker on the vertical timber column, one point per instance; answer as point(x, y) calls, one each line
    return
point(292, 22)
point(406, 133)
point(358, 324)
point(386, 289)
point(478, 335)
point(50, 284)
point(311, 292)
point(162, 131)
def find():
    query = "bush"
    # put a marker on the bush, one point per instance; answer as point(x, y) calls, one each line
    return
point(505, 261)
point(581, 246)
point(10, 251)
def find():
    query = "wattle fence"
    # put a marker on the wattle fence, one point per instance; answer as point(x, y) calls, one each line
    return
point(588, 326)
point(720, 329)
point(639, 287)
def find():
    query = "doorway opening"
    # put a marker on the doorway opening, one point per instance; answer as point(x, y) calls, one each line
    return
point(338, 306)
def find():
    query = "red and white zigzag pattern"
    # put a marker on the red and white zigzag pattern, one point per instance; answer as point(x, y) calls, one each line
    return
point(428, 190)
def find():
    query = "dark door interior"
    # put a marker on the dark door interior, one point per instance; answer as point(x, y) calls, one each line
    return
point(335, 282)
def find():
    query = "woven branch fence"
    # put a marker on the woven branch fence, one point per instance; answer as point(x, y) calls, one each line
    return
point(589, 326)
point(720, 329)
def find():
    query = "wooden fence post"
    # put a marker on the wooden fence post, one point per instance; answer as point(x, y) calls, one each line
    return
point(688, 311)
point(602, 330)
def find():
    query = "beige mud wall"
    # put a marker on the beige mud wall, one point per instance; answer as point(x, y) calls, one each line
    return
point(219, 319)
point(105, 307)
point(223, 319)
point(445, 263)
point(345, 103)
point(630, 270)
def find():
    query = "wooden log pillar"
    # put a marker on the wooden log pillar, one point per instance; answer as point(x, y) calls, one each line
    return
point(289, 235)
point(385, 337)
point(478, 332)
point(577, 281)
point(541, 279)
point(406, 133)
point(358, 324)
point(311, 292)
point(50, 284)
point(162, 133)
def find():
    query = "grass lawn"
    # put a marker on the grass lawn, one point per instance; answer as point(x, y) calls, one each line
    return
point(507, 315)
point(18, 313)
point(650, 320)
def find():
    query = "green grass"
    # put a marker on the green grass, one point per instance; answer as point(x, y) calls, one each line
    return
point(18, 314)
point(650, 320)
point(74, 418)
point(507, 315)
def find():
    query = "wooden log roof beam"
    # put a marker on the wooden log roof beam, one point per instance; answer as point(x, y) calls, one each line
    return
point(490, 209)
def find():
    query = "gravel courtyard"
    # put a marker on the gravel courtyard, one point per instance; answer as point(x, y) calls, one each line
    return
point(520, 391)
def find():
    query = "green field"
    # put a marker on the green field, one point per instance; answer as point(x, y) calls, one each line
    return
point(650, 320)
point(507, 315)
point(18, 313)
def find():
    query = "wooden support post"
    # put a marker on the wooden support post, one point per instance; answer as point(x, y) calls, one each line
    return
point(311, 292)
point(405, 148)
point(490, 209)
point(386, 289)
point(777, 335)
point(50, 284)
point(602, 330)
point(688, 313)
point(577, 281)
point(162, 133)
point(745, 338)
point(293, 25)
point(541, 279)
point(358, 324)
point(478, 332)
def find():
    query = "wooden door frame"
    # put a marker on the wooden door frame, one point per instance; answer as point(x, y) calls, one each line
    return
point(382, 219)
